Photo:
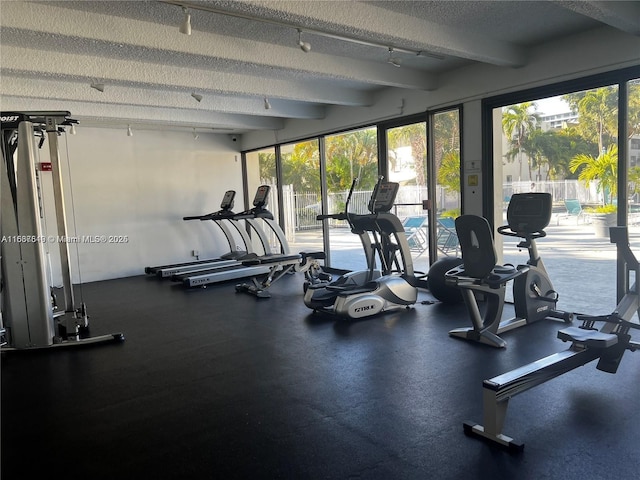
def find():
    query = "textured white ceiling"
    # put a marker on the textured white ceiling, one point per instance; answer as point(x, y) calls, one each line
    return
point(51, 51)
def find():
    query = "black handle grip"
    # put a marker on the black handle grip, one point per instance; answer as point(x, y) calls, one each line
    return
point(335, 216)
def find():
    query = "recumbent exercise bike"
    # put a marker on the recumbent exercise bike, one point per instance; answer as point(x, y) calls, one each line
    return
point(533, 294)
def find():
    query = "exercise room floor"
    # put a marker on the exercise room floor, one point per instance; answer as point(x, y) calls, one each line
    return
point(211, 384)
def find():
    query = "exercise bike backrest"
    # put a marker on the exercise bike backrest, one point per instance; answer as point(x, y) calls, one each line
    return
point(528, 214)
point(476, 242)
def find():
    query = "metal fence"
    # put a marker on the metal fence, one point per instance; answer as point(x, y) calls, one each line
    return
point(304, 207)
point(301, 208)
point(307, 205)
point(560, 190)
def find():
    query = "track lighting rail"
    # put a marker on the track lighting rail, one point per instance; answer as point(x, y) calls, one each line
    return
point(300, 29)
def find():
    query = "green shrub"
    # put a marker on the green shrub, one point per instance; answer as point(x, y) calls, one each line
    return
point(602, 209)
point(451, 213)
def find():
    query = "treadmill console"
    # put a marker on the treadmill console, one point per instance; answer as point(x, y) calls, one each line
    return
point(227, 200)
point(385, 197)
point(260, 200)
point(529, 212)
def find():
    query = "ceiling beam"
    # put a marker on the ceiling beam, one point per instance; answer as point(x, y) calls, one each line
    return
point(46, 64)
point(367, 22)
point(28, 86)
point(624, 16)
point(116, 114)
point(209, 50)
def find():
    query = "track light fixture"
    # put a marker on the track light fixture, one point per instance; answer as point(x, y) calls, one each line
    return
point(304, 46)
point(185, 26)
point(129, 131)
point(393, 61)
point(197, 97)
point(267, 105)
point(72, 130)
point(98, 86)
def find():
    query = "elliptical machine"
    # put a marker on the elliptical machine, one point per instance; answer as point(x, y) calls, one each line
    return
point(534, 297)
point(349, 279)
point(365, 293)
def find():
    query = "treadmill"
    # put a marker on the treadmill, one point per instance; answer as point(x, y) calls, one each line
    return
point(238, 270)
point(222, 218)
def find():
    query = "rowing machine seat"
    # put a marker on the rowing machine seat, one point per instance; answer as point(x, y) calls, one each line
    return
point(591, 338)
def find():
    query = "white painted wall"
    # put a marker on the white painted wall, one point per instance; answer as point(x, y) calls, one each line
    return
point(471, 148)
point(141, 187)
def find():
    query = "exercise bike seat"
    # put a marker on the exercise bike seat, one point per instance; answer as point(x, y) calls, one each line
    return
point(590, 338)
point(501, 274)
point(504, 269)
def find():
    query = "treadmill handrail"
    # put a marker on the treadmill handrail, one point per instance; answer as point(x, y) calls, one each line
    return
point(254, 213)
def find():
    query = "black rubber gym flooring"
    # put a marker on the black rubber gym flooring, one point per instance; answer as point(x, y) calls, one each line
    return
point(211, 384)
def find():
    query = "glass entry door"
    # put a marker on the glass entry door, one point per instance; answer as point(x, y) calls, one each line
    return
point(407, 165)
point(428, 173)
point(261, 169)
point(349, 155)
point(302, 195)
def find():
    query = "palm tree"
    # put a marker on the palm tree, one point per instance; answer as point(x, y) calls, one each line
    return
point(301, 167)
point(598, 113)
point(449, 171)
point(267, 166)
point(349, 155)
point(634, 180)
point(414, 135)
point(446, 134)
point(602, 169)
point(532, 147)
point(517, 123)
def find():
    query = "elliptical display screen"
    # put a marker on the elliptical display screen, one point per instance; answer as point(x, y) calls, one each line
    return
point(529, 212)
point(385, 197)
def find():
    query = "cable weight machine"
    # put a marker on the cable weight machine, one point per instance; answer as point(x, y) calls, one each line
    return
point(30, 318)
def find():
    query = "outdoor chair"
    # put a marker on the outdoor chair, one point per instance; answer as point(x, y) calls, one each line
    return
point(447, 238)
point(573, 209)
point(416, 230)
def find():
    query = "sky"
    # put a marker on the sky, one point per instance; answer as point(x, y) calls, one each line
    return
point(552, 105)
